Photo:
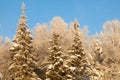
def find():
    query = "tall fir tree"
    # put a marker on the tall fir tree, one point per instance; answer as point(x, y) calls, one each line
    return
point(56, 68)
point(78, 60)
point(23, 60)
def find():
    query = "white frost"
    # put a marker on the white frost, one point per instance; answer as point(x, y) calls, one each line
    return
point(50, 66)
point(72, 68)
point(15, 45)
point(1, 75)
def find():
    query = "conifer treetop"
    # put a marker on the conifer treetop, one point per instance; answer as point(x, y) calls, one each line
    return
point(98, 43)
point(96, 35)
point(23, 21)
point(76, 30)
point(76, 24)
point(23, 8)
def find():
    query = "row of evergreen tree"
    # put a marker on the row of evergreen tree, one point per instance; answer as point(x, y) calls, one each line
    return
point(76, 66)
point(61, 53)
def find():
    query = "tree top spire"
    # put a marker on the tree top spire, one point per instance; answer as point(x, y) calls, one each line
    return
point(23, 8)
point(76, 24)
point(22, 19)
point(97, 35)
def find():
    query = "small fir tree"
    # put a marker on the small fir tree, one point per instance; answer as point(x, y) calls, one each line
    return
point(97, 68)
point(56, 68)
point(23, 60)
point(98, 51)
point(78, 62)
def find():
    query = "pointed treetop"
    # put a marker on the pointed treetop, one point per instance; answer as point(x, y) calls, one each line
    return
point(97, 38)
point(22, 20)
point(23, 8)
point(76, 24)
point(96, 35)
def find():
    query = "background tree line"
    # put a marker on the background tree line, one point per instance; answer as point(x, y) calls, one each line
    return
point(102, 49)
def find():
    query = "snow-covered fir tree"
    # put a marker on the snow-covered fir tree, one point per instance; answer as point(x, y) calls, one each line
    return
point(23, 60)
point(98, 51)
point(78, 62)
point(56, 68)
point(97, 68)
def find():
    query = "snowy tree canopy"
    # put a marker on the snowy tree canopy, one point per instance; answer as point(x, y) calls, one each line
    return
point(23, 63)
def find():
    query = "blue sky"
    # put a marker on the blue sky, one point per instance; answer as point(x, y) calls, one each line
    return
point(93, 13)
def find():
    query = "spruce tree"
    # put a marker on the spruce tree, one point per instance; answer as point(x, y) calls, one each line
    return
point(56, 69)
point(98, 51)
point(78, 62)
point(23, 60)
point(97, 68)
